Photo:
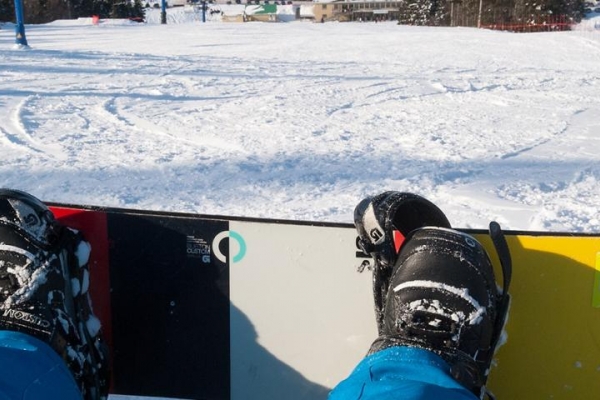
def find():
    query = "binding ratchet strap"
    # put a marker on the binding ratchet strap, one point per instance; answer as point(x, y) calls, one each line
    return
point(502, 302)
point(503, 252)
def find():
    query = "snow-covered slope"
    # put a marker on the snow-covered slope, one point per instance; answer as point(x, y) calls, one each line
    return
point(301, 120)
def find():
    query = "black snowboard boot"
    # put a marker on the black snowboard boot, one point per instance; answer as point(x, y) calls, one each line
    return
point(441, 294)
point(44, 280)
point(383, 222)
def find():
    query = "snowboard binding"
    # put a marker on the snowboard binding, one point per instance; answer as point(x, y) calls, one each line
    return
point(44, 274)
point(434, 287)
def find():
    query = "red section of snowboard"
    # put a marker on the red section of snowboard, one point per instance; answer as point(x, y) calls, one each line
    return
point(94, 227)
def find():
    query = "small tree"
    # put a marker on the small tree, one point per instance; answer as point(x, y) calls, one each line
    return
point(138, 10)
point(424, 12)
point(127, 9)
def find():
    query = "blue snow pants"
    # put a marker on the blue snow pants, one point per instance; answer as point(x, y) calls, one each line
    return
point(401, 373)
point(31, 370)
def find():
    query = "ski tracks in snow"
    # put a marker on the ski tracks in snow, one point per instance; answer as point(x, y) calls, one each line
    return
point(226, 122)
point(14, 130)
point(569, 198)
point(542, 173)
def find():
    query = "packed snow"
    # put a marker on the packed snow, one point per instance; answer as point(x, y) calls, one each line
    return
point(301, 120)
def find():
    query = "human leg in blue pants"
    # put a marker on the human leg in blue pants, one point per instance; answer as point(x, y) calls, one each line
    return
point(439, 311)
point(401, 372)
point(50, 342)
point(32, 370)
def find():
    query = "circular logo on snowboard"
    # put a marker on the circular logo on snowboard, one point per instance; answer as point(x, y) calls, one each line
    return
point(241, 246)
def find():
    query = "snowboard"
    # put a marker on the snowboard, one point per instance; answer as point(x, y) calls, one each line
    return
point(216, 307)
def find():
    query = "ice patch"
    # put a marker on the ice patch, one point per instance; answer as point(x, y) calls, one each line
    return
point(27, 279)
point(85, 281)
point(83, 253)
point(435, 323)
point(435, 307)
point(63, 319)
point(474, 317)
point(93, 325)
point(75, 355)
point(75, 286)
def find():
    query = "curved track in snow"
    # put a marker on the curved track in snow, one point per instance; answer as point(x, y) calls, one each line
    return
point(300, 120)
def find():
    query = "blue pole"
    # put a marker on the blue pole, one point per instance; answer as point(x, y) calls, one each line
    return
point(163, 12)
point(204, 11)
point(20, 38)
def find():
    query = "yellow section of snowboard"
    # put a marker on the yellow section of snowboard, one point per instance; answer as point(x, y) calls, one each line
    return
point(553, 345)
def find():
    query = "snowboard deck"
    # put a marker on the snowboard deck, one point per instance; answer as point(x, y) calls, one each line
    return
point(214, 307)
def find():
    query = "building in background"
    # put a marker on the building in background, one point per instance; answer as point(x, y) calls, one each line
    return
point(365, 10)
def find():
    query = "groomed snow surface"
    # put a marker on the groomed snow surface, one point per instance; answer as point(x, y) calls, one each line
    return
point(301, 120)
